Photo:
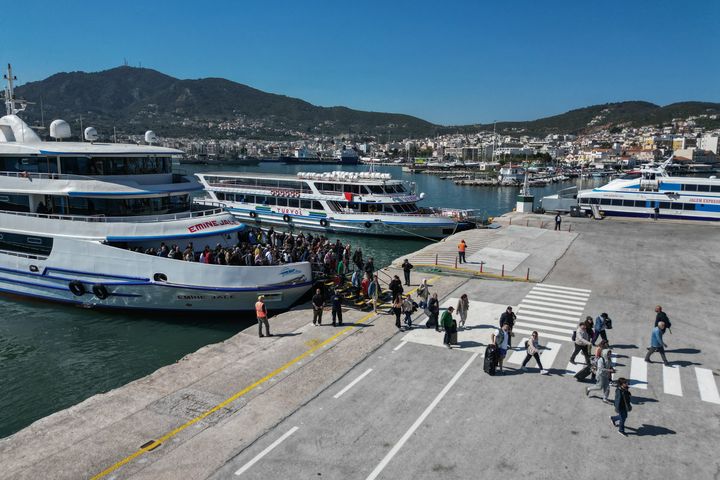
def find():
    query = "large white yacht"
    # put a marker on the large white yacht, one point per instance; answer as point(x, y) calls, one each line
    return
point(75, 217)
point(368, 203)
point(638, 194)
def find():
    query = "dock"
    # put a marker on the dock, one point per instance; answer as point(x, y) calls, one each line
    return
point(368, 401)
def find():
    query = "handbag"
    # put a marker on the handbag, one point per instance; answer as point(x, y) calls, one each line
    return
point(608, 324)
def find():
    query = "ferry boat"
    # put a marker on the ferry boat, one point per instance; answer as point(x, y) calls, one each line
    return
point(637, 195)
point(367, 203)
point(75, 217)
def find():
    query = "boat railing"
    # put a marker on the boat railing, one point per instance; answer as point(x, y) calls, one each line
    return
point(168, 217)
point(45, 176)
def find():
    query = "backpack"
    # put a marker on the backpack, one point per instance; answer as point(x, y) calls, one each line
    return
point(608, 324)
point(574, 336)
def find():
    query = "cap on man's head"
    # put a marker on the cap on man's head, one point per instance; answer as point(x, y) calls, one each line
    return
point(261, 297)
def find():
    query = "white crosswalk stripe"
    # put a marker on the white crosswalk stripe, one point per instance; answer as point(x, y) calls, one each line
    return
point(706, 384)
point(671, 380)
point(554, 311)
point(638, 373)
point(549, 354)
point(519, 355)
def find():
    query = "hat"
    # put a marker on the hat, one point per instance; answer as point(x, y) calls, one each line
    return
point(261, 297)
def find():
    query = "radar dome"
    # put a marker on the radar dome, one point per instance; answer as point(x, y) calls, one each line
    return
point(91, 134)
point(59, 129)
point(150, 137)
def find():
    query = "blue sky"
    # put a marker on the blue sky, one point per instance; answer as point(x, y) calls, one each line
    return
point(452, 62)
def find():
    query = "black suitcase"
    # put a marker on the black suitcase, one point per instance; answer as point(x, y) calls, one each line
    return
point(583, 374)
point(491, 357)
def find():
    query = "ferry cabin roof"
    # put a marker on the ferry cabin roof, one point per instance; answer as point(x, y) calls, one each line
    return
point(295, 178)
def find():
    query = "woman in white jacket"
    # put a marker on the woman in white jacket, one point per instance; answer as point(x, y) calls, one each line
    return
point(602, 372)
point(533, 351)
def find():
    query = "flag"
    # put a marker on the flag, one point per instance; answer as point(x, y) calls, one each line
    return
point(348, 196)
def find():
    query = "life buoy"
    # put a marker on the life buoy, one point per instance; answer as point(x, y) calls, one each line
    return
point(100, 291)
point(286, 218)
point(368, 224)
point(77, 288)
point(253, 214)
point(323, 223)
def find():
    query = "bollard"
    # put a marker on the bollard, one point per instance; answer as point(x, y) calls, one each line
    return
point(569, 227)
point(510, 220)
point(527, 222)
point(502, 274)
point(541, 224)
point(436, 257)
point(481, 264)
point(527, 277)
point(456, 262)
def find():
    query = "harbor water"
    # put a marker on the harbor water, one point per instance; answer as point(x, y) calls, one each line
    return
point(54, 356)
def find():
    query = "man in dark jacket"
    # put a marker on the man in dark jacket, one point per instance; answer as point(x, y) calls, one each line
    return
point(407, 266)
point(623, 404)
point(396, 287)
point(661, 317)
point(317, 303)
point(337, 300)
point(508, 317)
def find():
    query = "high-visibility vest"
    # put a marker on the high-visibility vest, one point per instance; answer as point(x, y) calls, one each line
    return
point(461, 247)
point(260, 310)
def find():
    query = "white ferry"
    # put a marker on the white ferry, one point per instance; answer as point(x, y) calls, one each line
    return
point(639, 194)
point(367, 203)
point(72, 215)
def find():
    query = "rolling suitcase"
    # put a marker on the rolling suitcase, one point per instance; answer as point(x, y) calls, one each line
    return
point(491, 357)
point(583, 374)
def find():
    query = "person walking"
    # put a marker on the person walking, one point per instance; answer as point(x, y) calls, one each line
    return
point(373, 292)
point(336, 302)
point(317, 303)
point(407, 266)
point(462, 308)
point(508, 317)
point(558, 221)
point(657, 344)
point(423, 293)
point(500, 338)
point(661, 316)
point(407, 308)
point(262, 316)
point(397, 306)
point(447, 323)
point(623, 405)
point(603, 370)
point(396, 287)
point(434, 309)
point(582, 342)
point(599, 327)
point(533, 351)
point(462, 246)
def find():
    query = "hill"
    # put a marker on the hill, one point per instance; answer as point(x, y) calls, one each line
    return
point(135, 99)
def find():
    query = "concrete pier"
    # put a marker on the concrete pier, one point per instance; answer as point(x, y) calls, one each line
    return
point(366, 401)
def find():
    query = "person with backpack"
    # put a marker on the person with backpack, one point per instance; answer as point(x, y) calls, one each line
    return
point(623, 405)
point(582, 342)
point(508, 317)
point(601, 323)
point(462, 308)
point(448, 323)
point(408, 308)
point(532, 349)
point(434, 309)
point(501, 338)
point(603, 370)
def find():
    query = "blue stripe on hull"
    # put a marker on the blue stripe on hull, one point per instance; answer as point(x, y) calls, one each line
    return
point(662, 216)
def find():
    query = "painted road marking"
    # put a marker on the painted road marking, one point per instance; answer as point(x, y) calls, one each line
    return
point(560, 287)
point(527, 323)
point(402, 344)
point(707, 386)
point(352, 384)
point(543, 334)
point(241, 393)
point(671, 380)
point(383, 463)
point(638, 373)
point(548, 354)
point(561, 293)
point(535, 311)
point(260, 455)
point(556, 306)
point(518, 355)
point(572, 325)
point(557, 299)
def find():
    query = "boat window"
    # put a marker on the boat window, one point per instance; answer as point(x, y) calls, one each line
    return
point(293, 202)
point(604, 201)
point(281, 202)
point(628, 203)
point(640, 203)
point(220, 195)
point(364, 207)
point(15, 242)
point(260, 199)
point(715, 188)
point(115, 165)
point(400, 188)
point(15, 203)
point(665, 205)
point(364, 189)
point(676, 206)
point(690, 187)
point(305, 204)
point(688, 206)
point(703, 188)
point(317, 205)
point(376, 189)
point(616, 202)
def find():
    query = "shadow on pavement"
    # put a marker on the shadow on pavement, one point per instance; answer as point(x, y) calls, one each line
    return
point(641, 400)
point(650, 430)
point(468, 344)
point(684, 351)
point(622, 346)
point(683, 363)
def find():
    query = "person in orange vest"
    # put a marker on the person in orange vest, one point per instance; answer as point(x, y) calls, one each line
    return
point(461, 251)
point(262, 317)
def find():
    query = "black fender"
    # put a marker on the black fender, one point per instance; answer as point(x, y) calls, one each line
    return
point(100, 291)
point(77, 288)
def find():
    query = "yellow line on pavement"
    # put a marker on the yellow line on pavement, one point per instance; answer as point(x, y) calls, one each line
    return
point(231, 399)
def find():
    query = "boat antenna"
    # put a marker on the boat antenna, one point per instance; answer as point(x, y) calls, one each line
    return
point(10, 102)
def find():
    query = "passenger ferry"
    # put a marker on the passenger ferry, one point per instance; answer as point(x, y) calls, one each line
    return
point(638, 195)
point(73, 214)
point(367, 203)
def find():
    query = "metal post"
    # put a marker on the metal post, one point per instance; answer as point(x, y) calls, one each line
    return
point(503, 271)
point(481, 265)
point(455, 262)
point(541, 224)
point(436, 257)
point(569, 227)
point(527, 222)
point(510, 220)
point(527, 277)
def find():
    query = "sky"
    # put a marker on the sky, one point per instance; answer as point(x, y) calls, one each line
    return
point(448, 62)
